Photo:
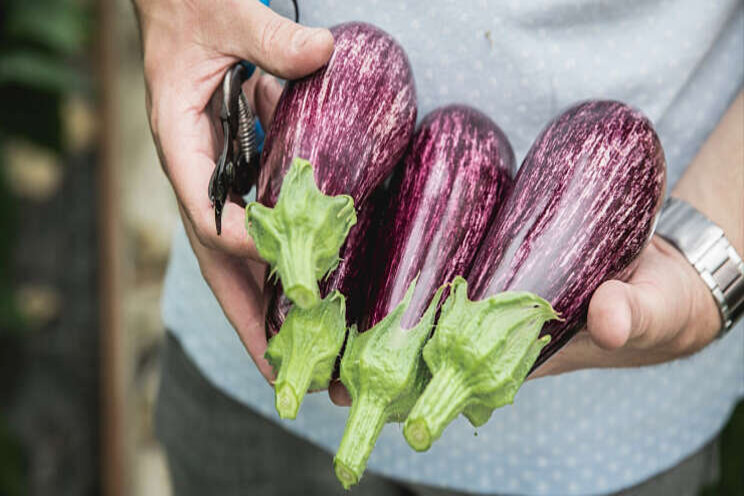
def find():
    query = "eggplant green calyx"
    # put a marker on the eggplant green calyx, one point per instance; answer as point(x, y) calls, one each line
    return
point(479, 356)
point(304, 351)
point(302, 235)
point(384, 373)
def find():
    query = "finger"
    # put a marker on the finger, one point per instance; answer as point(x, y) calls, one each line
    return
point(237, 286)
point(267, 93)
point(579, 350)
point(582, 352)
point(252, 31)
point(249, 88)
point(639, 311)
point(338, 393)
point(187, 143)
point(648, 311)
point(664, 311)
point(610, 319)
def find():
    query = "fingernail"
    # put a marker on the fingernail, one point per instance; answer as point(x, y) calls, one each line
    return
point(308, 36)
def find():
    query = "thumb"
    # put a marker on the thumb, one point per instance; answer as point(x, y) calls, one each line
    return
point(249, 30)
point(619, 312)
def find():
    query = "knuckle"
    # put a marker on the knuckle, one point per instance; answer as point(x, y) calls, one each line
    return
point(274, 36)
point(685, 344)
point(203, 234)
point(161, 155)
point(643, 340)
point(202, 228)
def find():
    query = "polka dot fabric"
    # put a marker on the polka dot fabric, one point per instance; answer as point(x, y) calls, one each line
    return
point(521, 62)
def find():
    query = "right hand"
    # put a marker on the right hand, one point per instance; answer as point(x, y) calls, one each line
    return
point(188, 46)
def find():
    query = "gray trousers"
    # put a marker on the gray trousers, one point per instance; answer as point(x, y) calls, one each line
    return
point(216, 445)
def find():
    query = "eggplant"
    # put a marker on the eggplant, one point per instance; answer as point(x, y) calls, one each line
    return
point(304, 344)
point(583, 207)
point(454, 178)
point(335, 136)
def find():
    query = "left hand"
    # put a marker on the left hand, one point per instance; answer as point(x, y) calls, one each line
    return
point(664, 311)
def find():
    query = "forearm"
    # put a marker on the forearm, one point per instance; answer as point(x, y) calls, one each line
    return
point(714, 181)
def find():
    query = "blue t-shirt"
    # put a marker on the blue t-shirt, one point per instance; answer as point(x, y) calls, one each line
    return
point(521, 62)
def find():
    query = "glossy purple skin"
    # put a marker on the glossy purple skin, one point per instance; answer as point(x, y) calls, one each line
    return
point(454, 179)
point(351, 276)
point(583, 206)
point(352, 119)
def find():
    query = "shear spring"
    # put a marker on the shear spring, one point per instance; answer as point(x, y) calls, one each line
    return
point(246, 128)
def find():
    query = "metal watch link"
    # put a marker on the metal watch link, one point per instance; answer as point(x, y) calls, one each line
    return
point(704, 245)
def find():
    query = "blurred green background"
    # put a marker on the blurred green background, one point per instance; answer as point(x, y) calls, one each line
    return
point(50, 360)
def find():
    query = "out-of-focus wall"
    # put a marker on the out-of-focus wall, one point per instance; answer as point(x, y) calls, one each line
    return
point(149, 214)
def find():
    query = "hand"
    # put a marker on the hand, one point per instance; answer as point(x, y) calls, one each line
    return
point(187, 49)
point(664, 311)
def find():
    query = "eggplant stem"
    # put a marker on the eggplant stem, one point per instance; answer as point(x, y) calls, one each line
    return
point(384, 373)
point(304, 351)
point(479, 357)
point(299, 282)
point(287, 404)
point(301, 236)
point(366, 419)
point(443, 399)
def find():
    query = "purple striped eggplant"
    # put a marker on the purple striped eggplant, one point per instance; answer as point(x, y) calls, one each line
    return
point(304, 344)
point(335, 136)
point(583, 207)
point(454, 179)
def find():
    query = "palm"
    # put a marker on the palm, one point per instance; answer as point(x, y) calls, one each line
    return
point(186, 54)
point(238, 284)
point(229, 262)
point(236, 280)
point(663, 311)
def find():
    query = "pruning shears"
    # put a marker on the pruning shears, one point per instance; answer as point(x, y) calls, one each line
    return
point(242, 138)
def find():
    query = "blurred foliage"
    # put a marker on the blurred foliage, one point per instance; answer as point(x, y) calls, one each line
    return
point(12, 465)
point(10, 321)
point(37, 70)
point(41, 43)
point(58, 25)
point(42, 46)
point(40, 39)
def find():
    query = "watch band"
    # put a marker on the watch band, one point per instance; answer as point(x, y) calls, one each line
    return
point(704, 245)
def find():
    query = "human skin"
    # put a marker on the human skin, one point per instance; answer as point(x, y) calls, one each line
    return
point(663, 312)
point(188, 46)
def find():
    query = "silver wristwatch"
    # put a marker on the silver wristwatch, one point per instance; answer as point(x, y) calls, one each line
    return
point(707, 249)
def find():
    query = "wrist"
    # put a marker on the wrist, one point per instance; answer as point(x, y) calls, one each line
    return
point(706, 248)
point(714, 181)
